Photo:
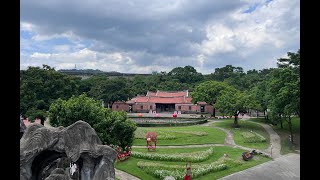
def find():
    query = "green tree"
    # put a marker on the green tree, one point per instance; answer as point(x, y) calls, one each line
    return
point(220, 74)
point(39, 87)
point(283, 89)
point(67, 112)
point(187, 74)
point(111, 127)
point(111, 90)
point(116, 129)
point(251, 101)
point(34, 113)
point(210, 91)
point(231, 102)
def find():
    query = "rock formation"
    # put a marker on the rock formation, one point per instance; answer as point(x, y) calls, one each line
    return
point(22, 127)
point(42, 147)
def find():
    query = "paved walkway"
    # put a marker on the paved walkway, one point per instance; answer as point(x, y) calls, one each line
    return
point(286, 167)
point(124, 176)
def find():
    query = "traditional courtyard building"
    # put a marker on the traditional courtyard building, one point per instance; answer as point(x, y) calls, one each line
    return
point(163, 101)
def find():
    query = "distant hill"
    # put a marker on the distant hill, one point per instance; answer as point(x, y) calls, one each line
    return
point(91, 72)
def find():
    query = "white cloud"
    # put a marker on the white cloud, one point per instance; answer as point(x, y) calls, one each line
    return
point(27, 26)
point(41, 55)
point(219, 39)
point(44, 37)
point(62, 48)
point(86, 58)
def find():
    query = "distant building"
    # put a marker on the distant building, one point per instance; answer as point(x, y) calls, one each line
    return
point(163, 101)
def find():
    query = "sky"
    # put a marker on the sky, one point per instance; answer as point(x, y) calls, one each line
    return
point(143, 36)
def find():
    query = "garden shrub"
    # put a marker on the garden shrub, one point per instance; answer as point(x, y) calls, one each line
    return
point(191, 157)
point(252, 137)
point(178, 171)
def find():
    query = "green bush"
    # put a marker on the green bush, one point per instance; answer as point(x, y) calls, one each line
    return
point(116, 129)
point(177, 171)
point(252, 137)
point(111, 127)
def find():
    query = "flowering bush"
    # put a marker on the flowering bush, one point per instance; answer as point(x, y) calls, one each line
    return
point(122, 154)
point(191, 157)
point(252, 137)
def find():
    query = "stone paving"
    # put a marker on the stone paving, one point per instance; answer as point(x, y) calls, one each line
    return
point(124, 176)
point(286, 167)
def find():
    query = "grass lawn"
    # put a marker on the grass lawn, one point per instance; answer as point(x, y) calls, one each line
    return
point(284, 133)
point(245, 126)
point(130, 166)
point(181, 135)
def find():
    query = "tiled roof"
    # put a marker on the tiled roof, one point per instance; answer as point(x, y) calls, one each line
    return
point(119, 102)
point(170, 94)
point(166, 100)
point(150, 93)
point(178, 97)
point(201, 103)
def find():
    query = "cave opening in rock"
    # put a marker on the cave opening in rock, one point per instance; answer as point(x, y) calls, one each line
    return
point(48, 160)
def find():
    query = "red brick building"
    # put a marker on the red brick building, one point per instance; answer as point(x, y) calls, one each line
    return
point(162, 101)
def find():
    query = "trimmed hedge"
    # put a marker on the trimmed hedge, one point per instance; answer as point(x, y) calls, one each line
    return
point(252, 137)
point(150, 124)
point(191, 157)
point(178, 172)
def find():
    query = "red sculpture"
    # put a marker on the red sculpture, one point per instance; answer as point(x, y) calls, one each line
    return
point(151, 140)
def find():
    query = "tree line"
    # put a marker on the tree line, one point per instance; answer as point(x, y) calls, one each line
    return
point(275, 91)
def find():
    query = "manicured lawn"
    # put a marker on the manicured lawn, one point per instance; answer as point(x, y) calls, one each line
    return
point(245, 126)
point(181, 135)
point(131, 167)
point(284, 133)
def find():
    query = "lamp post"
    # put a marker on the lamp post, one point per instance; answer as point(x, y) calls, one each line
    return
point(271, 150)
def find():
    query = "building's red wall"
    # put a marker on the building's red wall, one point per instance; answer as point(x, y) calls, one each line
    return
point(146, 107)
point(209, 109)
point(121, 106)
point(136, 108)
point(185, 108)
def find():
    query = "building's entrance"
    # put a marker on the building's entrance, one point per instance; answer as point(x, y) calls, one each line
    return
point(165, 107)
point(202, 109)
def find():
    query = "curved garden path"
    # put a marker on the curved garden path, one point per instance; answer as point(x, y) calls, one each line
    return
point(274, 139)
